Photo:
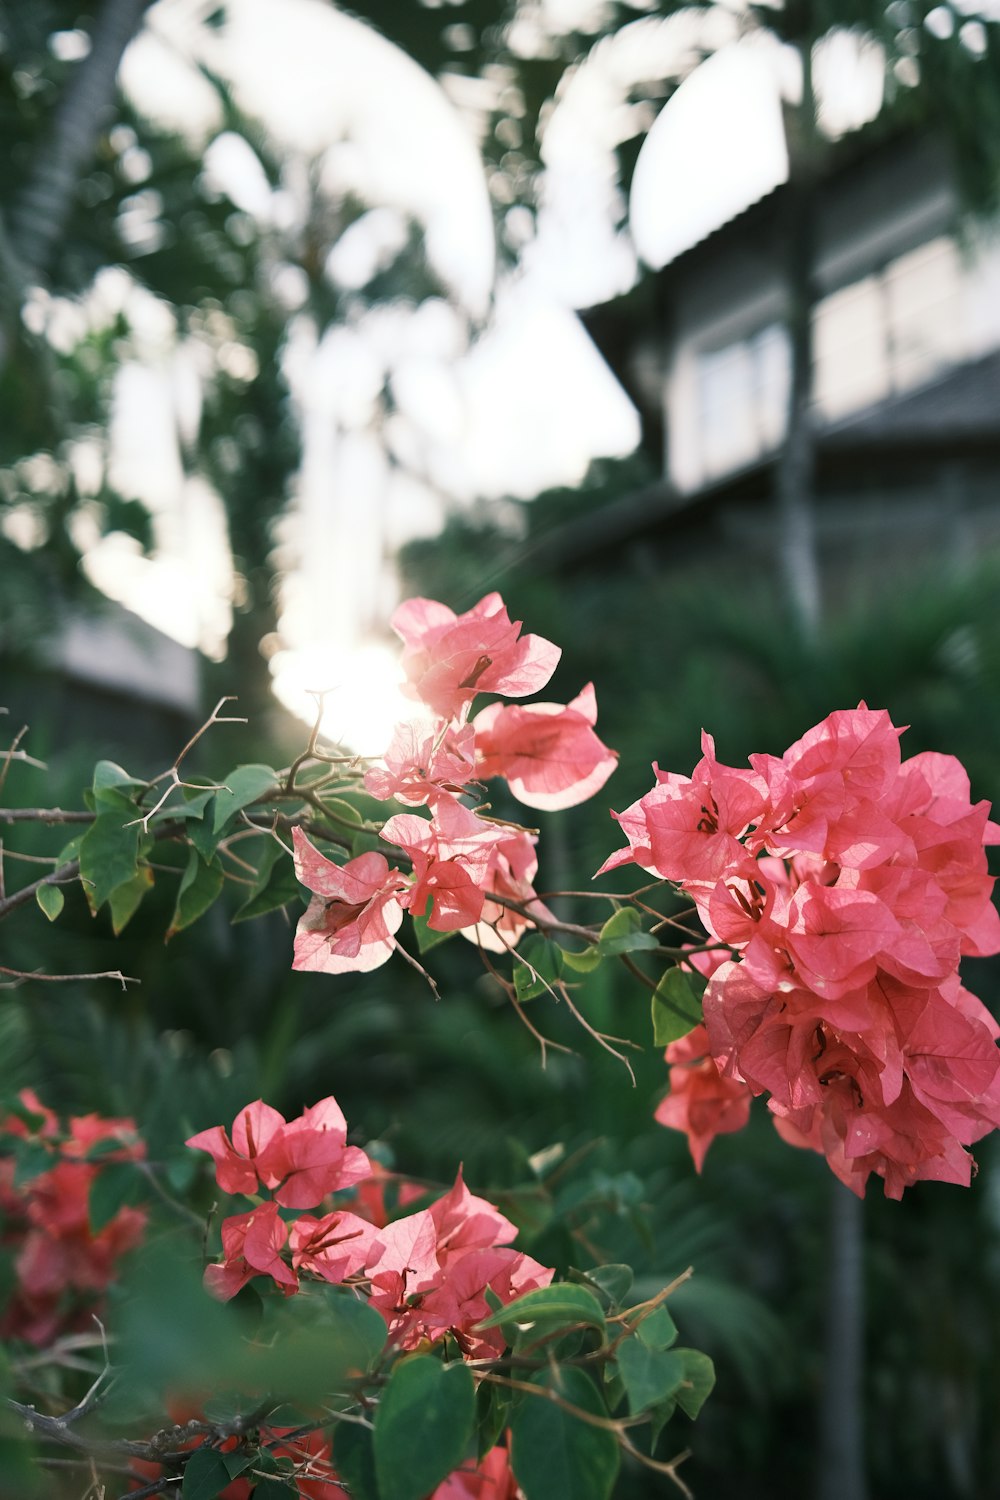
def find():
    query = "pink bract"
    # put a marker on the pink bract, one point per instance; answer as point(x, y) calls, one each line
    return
point(349, 924)
point(840, 999)
point(449, 658)
point(422, 762)
point(451, 854)
point(549, 754)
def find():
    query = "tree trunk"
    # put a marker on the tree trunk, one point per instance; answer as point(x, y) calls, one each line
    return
point(841, 1445)
point(42, 212)
point(795, 502)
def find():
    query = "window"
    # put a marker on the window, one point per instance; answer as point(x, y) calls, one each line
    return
point(742, 393)
point(889, 332)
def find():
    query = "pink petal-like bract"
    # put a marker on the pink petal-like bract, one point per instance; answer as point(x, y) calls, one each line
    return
point(349, 924)
point(449, 658)
point(549, 754)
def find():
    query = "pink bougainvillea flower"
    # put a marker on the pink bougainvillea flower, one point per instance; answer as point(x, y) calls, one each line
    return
point(451, 854)
point(349, 924)
point(60, 1265)
point(429, 1272)
point(251, 1246)
point(688, 829)
point(308, 1157)
point(333, 1247)
point(422, 762)
point(449, 658)
point(490, 1479)
point(512, 867)
point(370, 1195)
point(402, 1264)
point(701, 1102)
point(851, 758)
point(902, 1143)
point(301, 1161)
point(236, 1168)
point(549, 754)
point(464, 1222)
point(458, 1303)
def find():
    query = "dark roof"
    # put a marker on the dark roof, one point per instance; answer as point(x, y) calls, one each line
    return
point(960, 406)
point(955, 415)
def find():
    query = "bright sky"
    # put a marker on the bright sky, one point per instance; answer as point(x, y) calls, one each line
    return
point(523, 407)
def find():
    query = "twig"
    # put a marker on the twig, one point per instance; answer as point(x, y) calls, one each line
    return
point(44, 815)
point(173, 779)
point(65, 875)
point(309, 753)
point(14, 754)
point(658, 1465)
point(21, 974)
point(416, 964)
point(651, 1303)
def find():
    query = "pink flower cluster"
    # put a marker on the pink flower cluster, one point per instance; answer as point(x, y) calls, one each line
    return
point(846, 884)
point(61, 1266)
point(427, 1273)
point(465, 866)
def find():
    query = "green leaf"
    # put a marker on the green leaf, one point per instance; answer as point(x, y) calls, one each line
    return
point(622, 933)
point(676, 1006)
point(207, 1473)
point(70, 851)
point(193, 806)
point(324, 1339)
point(275, 884)
point(493, 1405)
point(423, 1425)
point(237, 1462)
point(613, 1281)
point(426, 937)
point(200, 886)
point(584, 962)
point(201, 832)
point(699, 1378)
point(123, 903)
point(109, 853)
point(658, 1417)
point(168, 1327)
point(31, 1159)
point(115, 1185)
point(51, 900)
point(243, 786)
point(555, 1454)
point(563, 1304)
point(278, 1489)
point(650, 1375)
point(354, 1457)
point(342, 812)
point(658, 1330)
point(109, 777)
point(545, 958)
point(355, 1331)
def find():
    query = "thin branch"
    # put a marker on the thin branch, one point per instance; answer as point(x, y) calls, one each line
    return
point(592, 1419)
point(173, 778)
point(416, 964)
point(21, 974)
point(309, 753)
point(659, 1466)
point(44, 815)
point(651, 1303)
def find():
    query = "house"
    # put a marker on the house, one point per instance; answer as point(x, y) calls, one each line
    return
point(906, 380)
